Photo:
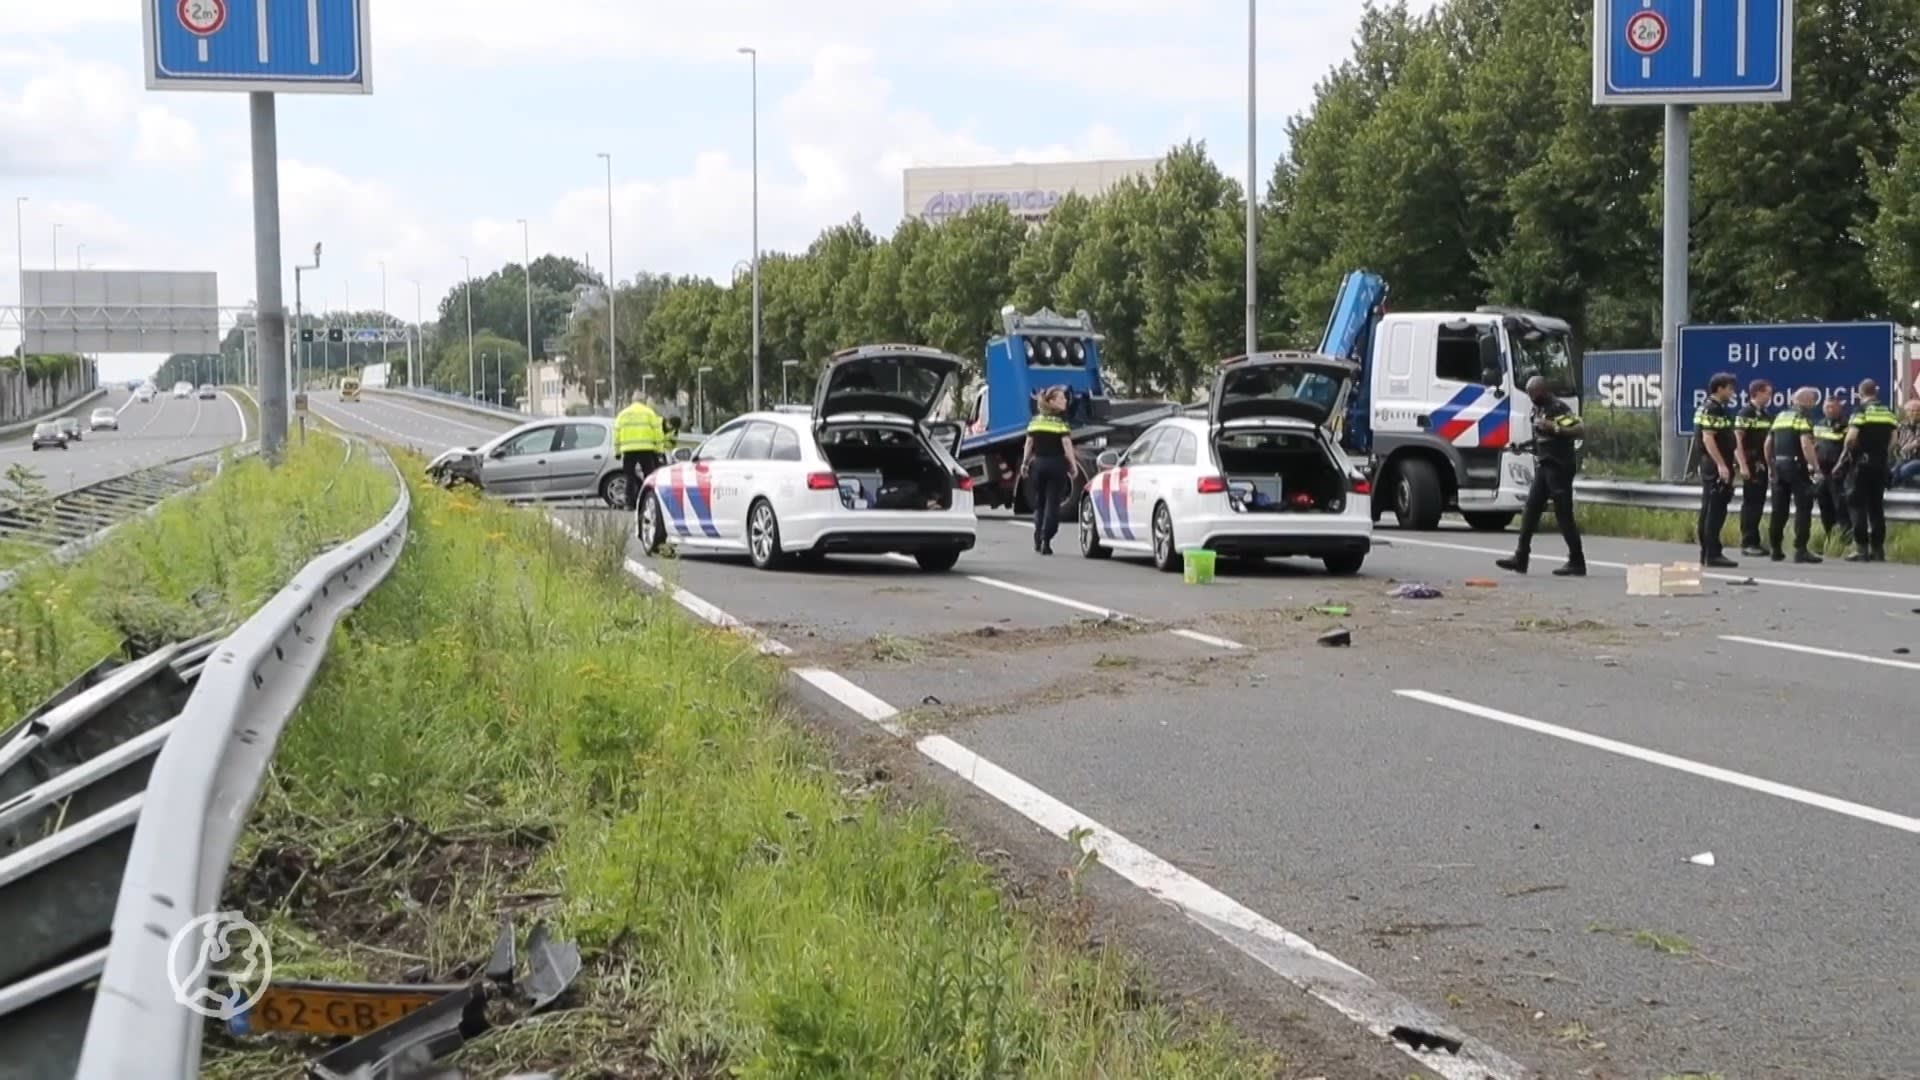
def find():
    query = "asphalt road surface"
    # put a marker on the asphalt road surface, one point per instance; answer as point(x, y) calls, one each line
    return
point(164, 429)
point(1490, 802)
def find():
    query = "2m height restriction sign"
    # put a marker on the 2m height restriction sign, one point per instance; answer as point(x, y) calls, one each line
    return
point(1647, 32)
point(203, 19)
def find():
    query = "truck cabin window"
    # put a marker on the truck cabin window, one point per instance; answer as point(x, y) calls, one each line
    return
point(1459, 357)
point(1548, 353)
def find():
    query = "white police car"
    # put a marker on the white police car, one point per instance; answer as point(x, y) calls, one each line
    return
point(864, 473)
point(1263, 475)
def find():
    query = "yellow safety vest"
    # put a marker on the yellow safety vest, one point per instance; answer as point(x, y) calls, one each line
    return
point(1048, 424)
point(638, 429)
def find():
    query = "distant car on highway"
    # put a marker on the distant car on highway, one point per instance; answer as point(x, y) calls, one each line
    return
point(182, 389)
point(104, 420)
point(48, 434)
point(143, 395)
point(207, 392)
point(70, 427)
point(566, 458)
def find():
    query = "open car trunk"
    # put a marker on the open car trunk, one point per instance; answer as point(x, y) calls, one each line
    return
point(1280, 470)
point(886, 466)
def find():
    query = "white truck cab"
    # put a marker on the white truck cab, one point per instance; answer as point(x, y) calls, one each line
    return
point(1442, 418)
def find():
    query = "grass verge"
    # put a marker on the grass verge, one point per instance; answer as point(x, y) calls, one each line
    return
point(507, 727)
point(1676, 526)
point(201, 561)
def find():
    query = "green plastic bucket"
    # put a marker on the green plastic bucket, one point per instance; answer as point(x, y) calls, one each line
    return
point(1198, 564)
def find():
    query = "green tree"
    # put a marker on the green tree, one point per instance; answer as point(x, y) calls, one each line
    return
point(1893, 236)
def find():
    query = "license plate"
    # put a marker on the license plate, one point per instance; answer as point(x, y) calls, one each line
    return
point(336, 1009)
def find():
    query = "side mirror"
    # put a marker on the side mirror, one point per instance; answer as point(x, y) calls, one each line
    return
point(683, 454)
point(1108, 459)
point(498, 452)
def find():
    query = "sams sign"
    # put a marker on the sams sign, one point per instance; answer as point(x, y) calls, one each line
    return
point(1622, 379)
point(1830, 357)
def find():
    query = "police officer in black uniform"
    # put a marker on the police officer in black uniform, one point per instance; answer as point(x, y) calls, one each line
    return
point(1796, 469)
point(1830, 444)
point(1556, 427)
point(1870, 445)
point(1713, 425)
point(1752, 425)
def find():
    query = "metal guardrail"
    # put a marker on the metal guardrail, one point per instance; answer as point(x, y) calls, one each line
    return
point(458, 401)
point(203, 787)
point(1902, 506)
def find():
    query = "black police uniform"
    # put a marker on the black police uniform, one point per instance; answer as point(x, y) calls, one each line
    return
point(1554, 464)
point(1714, 421)
point(1751, 424)
point(1829, 446)
point(1052, 477)
point(1872, 463)
point(1791, 481)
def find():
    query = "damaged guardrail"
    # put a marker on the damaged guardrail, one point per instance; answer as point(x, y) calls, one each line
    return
point(195, 807)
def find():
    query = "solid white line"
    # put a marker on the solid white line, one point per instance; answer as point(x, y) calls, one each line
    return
point(1670, 761)
point(1207, 639)
point(1781, 583)
point(131, 398)
point(706, 610)
point(854, 697)
point(239, 412)
point(1834, 654)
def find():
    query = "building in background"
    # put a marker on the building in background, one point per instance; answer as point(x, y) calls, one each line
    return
point(1029, 191)
point(552, 394)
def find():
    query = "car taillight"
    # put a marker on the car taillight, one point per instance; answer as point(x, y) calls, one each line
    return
point(822, 481)
point(1362, 486)
point(963, 481)
point(1213, 485)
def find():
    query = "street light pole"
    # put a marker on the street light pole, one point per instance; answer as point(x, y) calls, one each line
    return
point(472, 382)
point(754, 55)
point(613, 320)
point(785, 366)
point(383, 314)
point(526, 259)
point(56, 245)
point(700, 394)
point(299, 321)
point(20, 267)
point(419, 337)
point(1253, 198)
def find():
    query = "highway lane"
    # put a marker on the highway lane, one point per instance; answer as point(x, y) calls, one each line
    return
point(1487, 802)
point(424, 427)
point(151, 433)
point(1488, 871)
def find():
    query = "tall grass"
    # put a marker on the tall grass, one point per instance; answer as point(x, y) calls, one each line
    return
point(202, 561)
point(750, 908)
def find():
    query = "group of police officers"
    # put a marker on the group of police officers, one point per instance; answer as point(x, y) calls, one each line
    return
point(1802, 458)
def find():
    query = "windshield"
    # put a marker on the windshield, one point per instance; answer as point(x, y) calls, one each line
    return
point(46, 429)
point(1548, 353)
point(884, 384)
point(1255, 391)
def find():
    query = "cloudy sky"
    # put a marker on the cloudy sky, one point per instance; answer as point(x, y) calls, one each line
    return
point(488, 111)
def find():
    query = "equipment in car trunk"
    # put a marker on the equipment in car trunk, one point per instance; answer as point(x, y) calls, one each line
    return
point(1255, 494)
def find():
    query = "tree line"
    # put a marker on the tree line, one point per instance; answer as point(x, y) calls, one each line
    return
point(1457, 152)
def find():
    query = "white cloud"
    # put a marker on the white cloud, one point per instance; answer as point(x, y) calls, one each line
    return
point(65, 118)
point(166, 139)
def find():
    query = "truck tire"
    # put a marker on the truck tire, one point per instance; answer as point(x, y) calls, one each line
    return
point(1489, 520)
point(1418, 499)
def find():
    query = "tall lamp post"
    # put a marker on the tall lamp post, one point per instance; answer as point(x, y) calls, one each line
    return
point(526, 259)
point(754, 56)
point(419, 336)
point(299, 321)
point(56, 244)
point(1253, 199)
point(613, 320)
point(700, 394)
point(20, 267)
point(472, 381)
point(786, 366)
point(383, 316)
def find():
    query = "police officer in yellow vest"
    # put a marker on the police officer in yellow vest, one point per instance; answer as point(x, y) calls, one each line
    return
point(1796, 469)
point(1830, 444)
point(1870, 444)
point(640, 438)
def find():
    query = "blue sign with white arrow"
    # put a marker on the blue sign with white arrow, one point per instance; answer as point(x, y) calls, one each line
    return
point(276, 46)
point(1830, 357)
point(1692, 52)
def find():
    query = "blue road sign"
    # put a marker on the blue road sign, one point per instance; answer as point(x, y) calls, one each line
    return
point(278, 46)
point(1621, 379)
point(1692, 52)
point(1830, 357)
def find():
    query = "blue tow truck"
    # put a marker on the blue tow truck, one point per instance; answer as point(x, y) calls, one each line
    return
point(1035, 352)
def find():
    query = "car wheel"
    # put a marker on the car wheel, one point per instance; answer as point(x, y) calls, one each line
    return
point(1090, 545)
point(653, 526)
point(937, 560)
point(613, 490)
point(1345, 565)
point(1417, 495)
point(1165, 556)
point(763, 536)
